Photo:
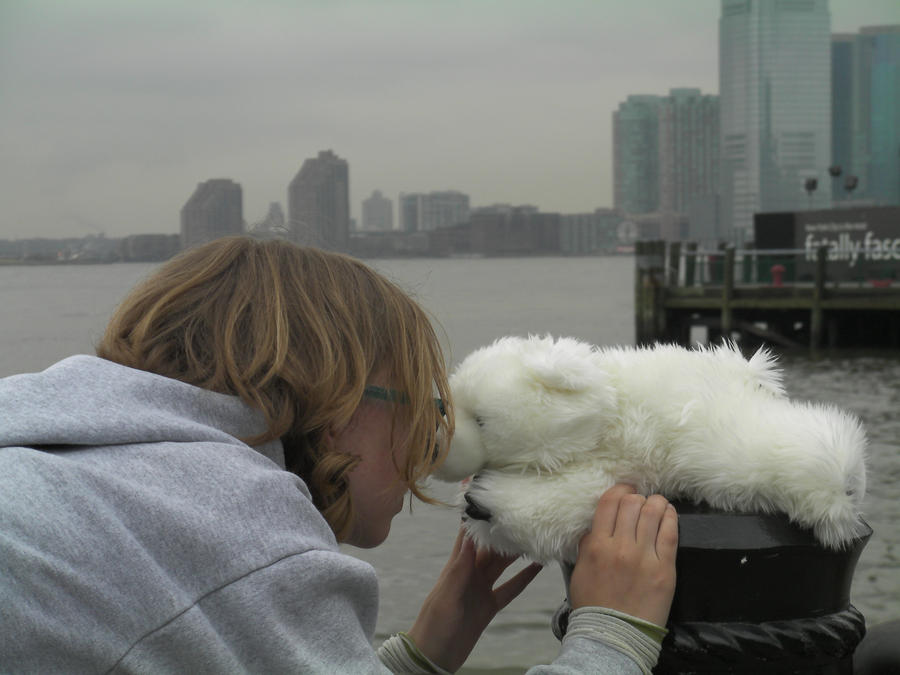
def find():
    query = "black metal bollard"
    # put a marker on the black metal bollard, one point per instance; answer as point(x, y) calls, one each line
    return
point(756, 594)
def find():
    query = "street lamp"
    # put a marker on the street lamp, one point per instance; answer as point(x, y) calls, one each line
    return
point(810, 185)
point(834, 171)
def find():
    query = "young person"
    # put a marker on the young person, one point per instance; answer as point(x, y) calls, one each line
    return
point(175, 503)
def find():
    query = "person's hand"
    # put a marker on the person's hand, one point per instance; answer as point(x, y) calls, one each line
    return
point(627, 561)
point(464, 601)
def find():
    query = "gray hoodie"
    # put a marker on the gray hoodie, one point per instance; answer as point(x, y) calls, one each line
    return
point(138, 534)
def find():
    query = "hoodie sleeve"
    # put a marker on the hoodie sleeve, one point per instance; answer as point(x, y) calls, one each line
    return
point(581, 655)
point(309, 613)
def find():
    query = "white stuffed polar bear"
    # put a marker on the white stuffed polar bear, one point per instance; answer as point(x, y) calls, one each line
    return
point(546, 425)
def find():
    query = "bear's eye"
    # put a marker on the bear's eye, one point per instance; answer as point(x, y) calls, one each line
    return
point(479, 420)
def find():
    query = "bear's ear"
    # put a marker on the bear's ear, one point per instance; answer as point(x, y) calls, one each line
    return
point(564, 364)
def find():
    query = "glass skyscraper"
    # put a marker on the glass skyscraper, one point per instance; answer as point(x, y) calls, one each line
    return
point(866, 112)
point(775, 103)
point(881, 55)
point(636, 154)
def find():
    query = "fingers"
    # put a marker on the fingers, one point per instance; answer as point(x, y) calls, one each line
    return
point(483, 562)
point(652, 514)
point(457, 545)
point(466, 550)
point(491, 563)
point(667, 538)
point(630, 509)
point(510, 590)
point(608, 509)
point(623, 512)
point(461, 563)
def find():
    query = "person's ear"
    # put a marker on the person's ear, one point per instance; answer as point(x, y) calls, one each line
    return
point(331, 434)
point(335, 429)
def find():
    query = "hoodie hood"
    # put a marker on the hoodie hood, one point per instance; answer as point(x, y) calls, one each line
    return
point(88, 401)
point(139, 534)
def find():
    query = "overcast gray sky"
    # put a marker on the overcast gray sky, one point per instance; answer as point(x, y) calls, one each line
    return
point(112, 111)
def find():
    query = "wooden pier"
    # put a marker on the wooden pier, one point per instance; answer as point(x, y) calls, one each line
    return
point(685, 295)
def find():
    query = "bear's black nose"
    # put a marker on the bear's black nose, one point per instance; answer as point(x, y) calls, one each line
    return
point(475, 510)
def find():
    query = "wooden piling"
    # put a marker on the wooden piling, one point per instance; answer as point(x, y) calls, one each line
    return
point(672, 267)
point(640, 248)
point(660, 329)
point(816, 316)
point(727, 292)
point(648, 291)
point(690, 263)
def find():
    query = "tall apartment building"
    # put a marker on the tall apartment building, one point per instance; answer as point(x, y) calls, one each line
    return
point(319, 202)
point(636, 154)
point(666, 160)
point(865, 105)
point(775, 107)
point(689, 163)
point(587, 233)
point(377, 212)
point(513, 232)
point(425, 212)
point(215, 209)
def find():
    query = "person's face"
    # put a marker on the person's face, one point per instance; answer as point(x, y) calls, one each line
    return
point(375, 485)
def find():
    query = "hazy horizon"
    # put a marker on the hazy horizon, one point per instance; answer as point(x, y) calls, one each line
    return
point(111, 114)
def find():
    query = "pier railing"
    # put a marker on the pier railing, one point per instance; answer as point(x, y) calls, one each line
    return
point(688, 265)
point(786, 297)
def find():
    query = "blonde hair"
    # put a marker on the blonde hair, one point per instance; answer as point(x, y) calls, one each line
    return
point(295, 333)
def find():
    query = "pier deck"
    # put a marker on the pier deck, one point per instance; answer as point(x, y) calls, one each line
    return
point(782, 298)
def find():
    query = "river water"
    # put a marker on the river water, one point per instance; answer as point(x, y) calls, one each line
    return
point(49, 313)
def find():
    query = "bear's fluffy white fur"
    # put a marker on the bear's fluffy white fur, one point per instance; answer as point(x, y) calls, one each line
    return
point(547, 425)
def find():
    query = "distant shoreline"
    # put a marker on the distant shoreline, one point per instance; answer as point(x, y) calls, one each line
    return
point(9, 262)
point(12, 262)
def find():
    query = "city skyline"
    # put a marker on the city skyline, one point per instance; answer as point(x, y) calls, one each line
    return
point(112, 114)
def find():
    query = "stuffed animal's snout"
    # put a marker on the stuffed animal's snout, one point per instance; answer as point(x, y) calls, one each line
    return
point(466, 455)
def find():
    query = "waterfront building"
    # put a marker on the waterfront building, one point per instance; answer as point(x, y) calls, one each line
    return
point(319, 202)
point(865, 108)
point(688, 163)
point(514, 232)
point(775, 108)
point(377, 213)
point(410, 208)
point(149, 247)
point(589, 233)
point(422, 212)
point(636, 154)
point(215, 209)
point(506, 208)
